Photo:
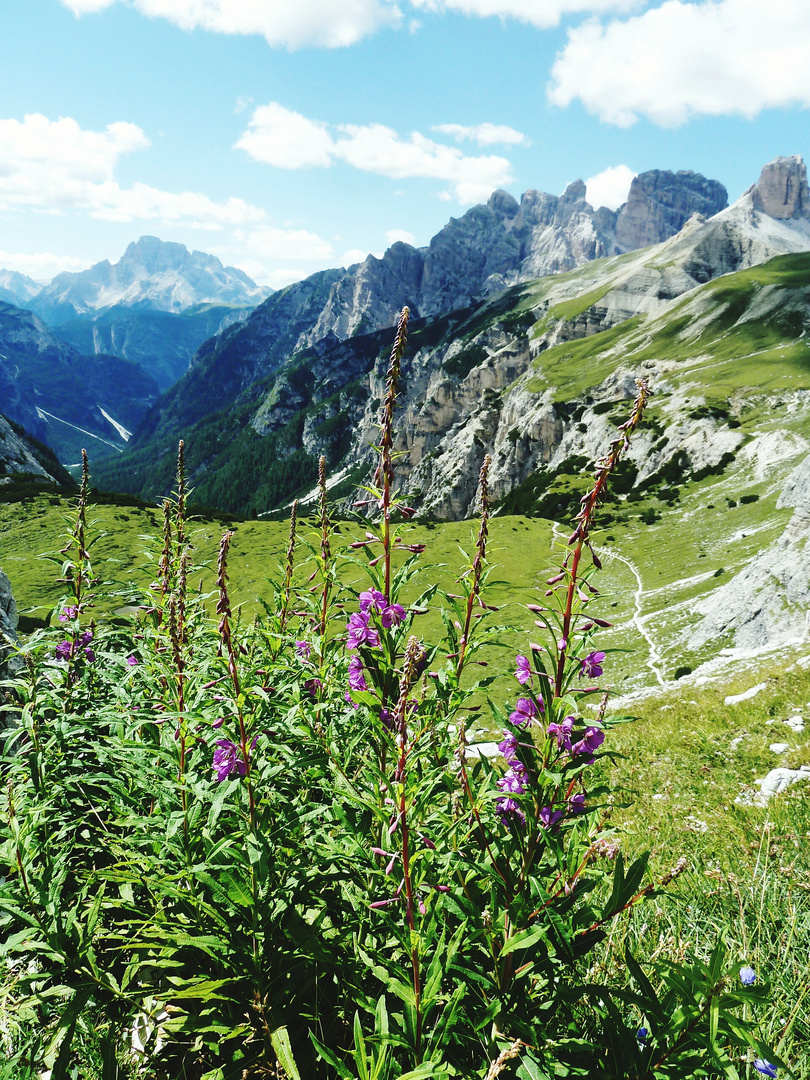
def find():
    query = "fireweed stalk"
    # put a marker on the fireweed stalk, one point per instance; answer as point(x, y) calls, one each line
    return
point(288, 571)
point(326, 552)
point(77, 574)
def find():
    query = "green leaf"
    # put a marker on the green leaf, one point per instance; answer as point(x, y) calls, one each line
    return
point(280, 1041)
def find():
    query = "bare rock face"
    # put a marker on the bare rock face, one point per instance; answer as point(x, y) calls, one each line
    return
point(16, 459)
point(9, 661)
point(660, 203)
point(782, 191)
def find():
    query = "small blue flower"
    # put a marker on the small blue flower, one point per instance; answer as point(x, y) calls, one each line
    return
point(748, 976)
point(642, 1034)
point(765, 1067)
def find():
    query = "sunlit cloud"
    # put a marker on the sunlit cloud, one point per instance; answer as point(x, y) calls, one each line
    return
point(485, 134)
point(610, 187)
point(393, 235)
point(286, 139)
point(720, 58)
point(323, 23)
point(40, 265)
point(55, 166)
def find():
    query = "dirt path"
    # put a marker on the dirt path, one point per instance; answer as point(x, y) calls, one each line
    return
point(653, 660)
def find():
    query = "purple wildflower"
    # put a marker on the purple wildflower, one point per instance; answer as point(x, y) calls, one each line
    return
point(64, 650)
point(748, 976)
point(303, 649)
point(86, 638)
point(513, 780)
point(132, 661)
point(765, 1067)
point(509, 746)
point(549, 817)
point(68, 613)
point(393, 615)
point(220, 720)
point(524, 670)
point(360, 632)
point(525, 712)
point(356, 678)
point(509, 811)
point(350, 700)
point(227, 760)
point(576, 804)
point(371, 599)
point(91, 656)
point(642, 1034)
point(592, 665)
point(313, 686)
point(562, 732)
point(591, 741)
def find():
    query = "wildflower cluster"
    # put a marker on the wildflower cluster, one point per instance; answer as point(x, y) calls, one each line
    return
point(278, 853)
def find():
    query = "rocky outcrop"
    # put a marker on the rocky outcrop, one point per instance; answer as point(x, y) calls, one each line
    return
point(17, 288)
point(781, 191)
point(10, 662)
point(17, 458)
point(660, 203)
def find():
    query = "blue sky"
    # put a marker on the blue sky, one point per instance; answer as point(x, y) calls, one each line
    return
point(288, 137)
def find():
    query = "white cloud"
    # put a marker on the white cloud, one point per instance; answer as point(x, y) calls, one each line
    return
point(41, 265)
point(610, 187)
point(485, 134)
point(688, 59)
point(267, 242)
point(325, 23)
point(540, 13)
point(352, 256)
point(55, 166)
point(286, 139)
point(400, 234)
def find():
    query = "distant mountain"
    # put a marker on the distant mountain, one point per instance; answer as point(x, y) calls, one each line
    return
point(162, 342)
point(257, 406)
point(17, 288)
point(151, 274)
point(63, 398)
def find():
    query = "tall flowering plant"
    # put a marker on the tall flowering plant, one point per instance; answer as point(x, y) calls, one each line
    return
point(240, 849)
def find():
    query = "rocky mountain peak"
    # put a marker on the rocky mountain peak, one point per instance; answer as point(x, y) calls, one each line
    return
point(781, 191)
point(660, 203)
point(501, 202)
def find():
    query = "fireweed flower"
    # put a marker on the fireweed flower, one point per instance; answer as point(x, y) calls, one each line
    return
point(590, 742)
point(312, 686)
point(549, 817)
point(64, 650)
point(525, 712)
point(303, 649)
point(68, 613)
point(509, 746)
point(562, 732)
point(514, 779)
point(361, 632)
point(392, 615)
point(132, 661)
point(228, 759)
point(356, 678)
point(524, 670)
point(748, 976)
point(509, 811)
point(371, 599)
point(592, 665)
point(576, 804)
